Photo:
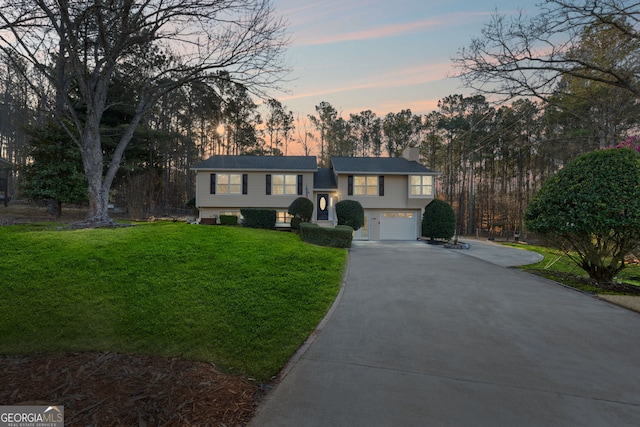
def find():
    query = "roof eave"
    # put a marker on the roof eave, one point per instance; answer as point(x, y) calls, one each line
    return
point(388, 173)
point(255, 169)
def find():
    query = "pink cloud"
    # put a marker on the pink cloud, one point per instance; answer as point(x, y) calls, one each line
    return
point(395, 78)
point(300, 15)
point(374, 33)
point(389, 30)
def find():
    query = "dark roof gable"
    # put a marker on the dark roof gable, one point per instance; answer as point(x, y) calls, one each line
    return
point(324, 179)
point(386, 165)
point(247, 163)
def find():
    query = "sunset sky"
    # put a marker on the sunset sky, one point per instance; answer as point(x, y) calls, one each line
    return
point(382, 55)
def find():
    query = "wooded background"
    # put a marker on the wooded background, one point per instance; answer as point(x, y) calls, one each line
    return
point(493, 156)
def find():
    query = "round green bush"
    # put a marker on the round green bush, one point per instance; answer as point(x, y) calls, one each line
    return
point(351, 213)
point(438, 220)
point(593, 203)
point(302, 211)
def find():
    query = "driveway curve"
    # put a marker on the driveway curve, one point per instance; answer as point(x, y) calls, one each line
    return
point(422, 335)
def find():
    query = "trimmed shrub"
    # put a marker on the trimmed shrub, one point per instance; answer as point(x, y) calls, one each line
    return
point(302, 211)
point(301, 208)
point(259, 218)
point(438, 220)
point(339, 237)
point(228, 220)
point(593, 204)
point(295, 223)
point(351, 213)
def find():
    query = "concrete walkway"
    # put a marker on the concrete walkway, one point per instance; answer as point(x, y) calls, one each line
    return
point(427, 336)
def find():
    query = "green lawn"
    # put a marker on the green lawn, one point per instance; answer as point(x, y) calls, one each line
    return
point(243, 299)
point(557, 266)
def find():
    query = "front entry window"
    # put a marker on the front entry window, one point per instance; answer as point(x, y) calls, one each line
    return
point(323, 207)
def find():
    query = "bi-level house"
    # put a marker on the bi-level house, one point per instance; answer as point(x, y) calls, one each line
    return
point(392, 191)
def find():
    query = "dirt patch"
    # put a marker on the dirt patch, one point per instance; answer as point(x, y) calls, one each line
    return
point(115, 389)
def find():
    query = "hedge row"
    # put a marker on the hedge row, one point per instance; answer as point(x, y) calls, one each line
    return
point(339, 237)
point(259, 218)
point(228, 220)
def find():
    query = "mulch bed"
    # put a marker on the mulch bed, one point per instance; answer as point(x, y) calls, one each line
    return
point(621, 288)
point(110, 389)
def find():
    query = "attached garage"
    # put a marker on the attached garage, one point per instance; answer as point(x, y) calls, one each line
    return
point(399, 225)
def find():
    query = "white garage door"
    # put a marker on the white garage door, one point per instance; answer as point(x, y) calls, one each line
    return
point(398, 225)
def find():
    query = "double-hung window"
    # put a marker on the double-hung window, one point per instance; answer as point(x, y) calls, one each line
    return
point(284, 184)
point(420, 185)
point(229, 183)
point(365, 185)
point(283, 217)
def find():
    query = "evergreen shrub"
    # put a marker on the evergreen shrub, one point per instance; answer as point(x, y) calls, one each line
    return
point(228, 220)
point(259, 218)
point(338, 237)
point(302, 211)
point(351, 213)
point(438, 220)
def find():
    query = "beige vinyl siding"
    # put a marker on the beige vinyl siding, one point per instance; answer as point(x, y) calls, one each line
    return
point(396, 189)
point(256, 196)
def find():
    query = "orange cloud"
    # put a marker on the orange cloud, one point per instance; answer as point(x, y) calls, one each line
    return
point(417, 107)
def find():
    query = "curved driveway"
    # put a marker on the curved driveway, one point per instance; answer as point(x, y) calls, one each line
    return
point(427, 336)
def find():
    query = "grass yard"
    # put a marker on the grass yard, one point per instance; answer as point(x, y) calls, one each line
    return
point(242, 299)
point(557, 266)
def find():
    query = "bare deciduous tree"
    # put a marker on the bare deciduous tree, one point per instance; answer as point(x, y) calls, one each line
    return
point(529, 56)
point(160, 45)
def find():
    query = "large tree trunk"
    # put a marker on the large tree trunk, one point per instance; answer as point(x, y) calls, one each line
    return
point(92, 159)
point(98, 202)
point(100, 180)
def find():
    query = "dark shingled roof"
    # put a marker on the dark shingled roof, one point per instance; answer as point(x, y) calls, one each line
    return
point(291, 163)
point(387, 165)
point(4, 164)
point(324, 179)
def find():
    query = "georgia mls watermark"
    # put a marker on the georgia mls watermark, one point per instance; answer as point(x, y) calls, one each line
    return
point(32, 416)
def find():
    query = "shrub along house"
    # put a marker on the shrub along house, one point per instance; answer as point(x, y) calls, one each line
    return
point(392, 191)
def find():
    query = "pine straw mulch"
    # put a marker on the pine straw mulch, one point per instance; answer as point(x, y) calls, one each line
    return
point(110, 389)
point(596, 288)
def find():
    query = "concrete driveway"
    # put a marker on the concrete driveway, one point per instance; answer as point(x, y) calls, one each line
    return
point(427, 336)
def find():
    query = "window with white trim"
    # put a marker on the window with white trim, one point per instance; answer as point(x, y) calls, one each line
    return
point(229, 183)
point(420, 185)
point(283, 217)
point(365, 185)
point(284, 184)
